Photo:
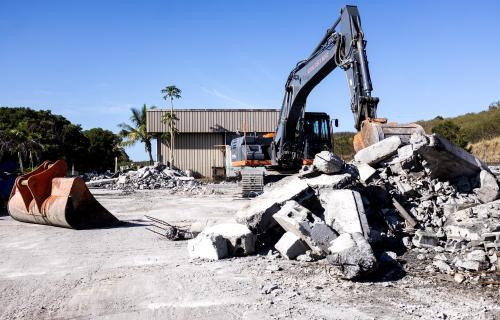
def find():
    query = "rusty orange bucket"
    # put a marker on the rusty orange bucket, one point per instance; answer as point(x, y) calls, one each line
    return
point(44, 196)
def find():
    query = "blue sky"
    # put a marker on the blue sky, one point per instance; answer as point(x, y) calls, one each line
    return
point(91, 61)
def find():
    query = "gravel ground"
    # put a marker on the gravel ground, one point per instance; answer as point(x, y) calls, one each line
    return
point(128, 272)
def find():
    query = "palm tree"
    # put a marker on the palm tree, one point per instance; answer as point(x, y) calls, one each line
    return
point(171, 92)
point(18, 143)
point(137, 131)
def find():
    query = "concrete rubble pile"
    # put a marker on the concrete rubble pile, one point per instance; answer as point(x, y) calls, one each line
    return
point(426, 197)
point(157, 176)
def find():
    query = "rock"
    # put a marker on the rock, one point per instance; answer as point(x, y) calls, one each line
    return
point(257, 215)
point(471, 265)
point(240, 240)
point(425, 239)
point(298, 220)
point(442, 266)
point(488, 190)
point(459, 278)
point(324, 181)
point(356, 261)
point(208, 246)
point(379, 151)
point(290, 246)
point(344, 211)
point(365, 171)
point(328, 162)
point(476, 255)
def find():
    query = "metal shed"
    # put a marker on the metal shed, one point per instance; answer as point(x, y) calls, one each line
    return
point(204, 133)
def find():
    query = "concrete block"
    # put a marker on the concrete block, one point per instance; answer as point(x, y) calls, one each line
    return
point(344, 211)
point(425, 239)
point(257, 215)
point(472, 265)
point(379, 151)
point(365, 171)
point(240, 240)
point(325, 181)
point(304, 224)
point(489, 189)
point(290, 246)
point(354, 261)
point(442, 266)
point(328, 162)
point(405, 152)
point(208, 246)
point(476, 255)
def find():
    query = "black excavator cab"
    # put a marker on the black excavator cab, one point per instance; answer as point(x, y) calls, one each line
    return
point(317, 134)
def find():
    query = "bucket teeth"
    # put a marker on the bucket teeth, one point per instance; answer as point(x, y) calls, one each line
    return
point(44, 196)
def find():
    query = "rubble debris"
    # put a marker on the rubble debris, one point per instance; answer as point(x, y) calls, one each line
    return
point(344, 211)
point(365, 171)
point(378, 151)
point(298, 220)
point(157, 176)
point(257, 215)
point(169, 231)
point(290, 246)
point(425, 239)
point(328, 162)
point(324, 181)
point(355, 260)
point(410, 221)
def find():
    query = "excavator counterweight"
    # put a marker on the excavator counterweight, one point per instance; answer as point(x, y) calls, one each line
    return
point(45, 196)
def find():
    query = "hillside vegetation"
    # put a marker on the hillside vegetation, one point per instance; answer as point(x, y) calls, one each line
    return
point(478, 133)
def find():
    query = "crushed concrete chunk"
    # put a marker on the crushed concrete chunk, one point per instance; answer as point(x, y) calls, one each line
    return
point(425, 239)
point(290, 246)
point(328, 162)
point(343, 242)
point(208, 246)
point(297, 219)
point(354, 261)
point(379, 151)
point(489, 189)
point(365, 171)
point(442, 266)
point(257, 215)
point(240, 240)
point(344, 211)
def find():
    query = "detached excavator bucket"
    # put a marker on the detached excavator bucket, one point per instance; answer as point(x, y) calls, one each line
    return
point(44, 196)
point(375, 130)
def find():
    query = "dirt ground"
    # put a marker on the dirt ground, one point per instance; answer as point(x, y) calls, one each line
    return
point(128, 272)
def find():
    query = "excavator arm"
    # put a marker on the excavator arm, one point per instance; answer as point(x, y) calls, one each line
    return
point(344, 48)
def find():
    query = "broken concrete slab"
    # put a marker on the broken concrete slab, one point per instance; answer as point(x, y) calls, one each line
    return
point(365, 171)
point(257, 215)
point(445, 160)
point(325, 181)
point(489, 189)
point(379, 151)
point(290, 246)
point(297, 219)
point(240, 240)
point(344, 211)
point(208, 246)
point(328, 162)
point(342, 242)
point(354, 261)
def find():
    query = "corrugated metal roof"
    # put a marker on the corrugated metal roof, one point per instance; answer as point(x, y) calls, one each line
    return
point(215, 120)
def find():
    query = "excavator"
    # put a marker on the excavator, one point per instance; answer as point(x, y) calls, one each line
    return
point(300, 135)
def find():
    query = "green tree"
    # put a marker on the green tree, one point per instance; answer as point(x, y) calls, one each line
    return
point(137, 131)
point(171, 92)
point(103, 148)
point(21, 145)
point(449, 130)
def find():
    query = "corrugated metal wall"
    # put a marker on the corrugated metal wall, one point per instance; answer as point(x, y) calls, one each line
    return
point(216, 120)
point(195, 151)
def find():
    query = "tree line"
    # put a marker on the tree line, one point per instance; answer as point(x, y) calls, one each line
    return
point(30, 136)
